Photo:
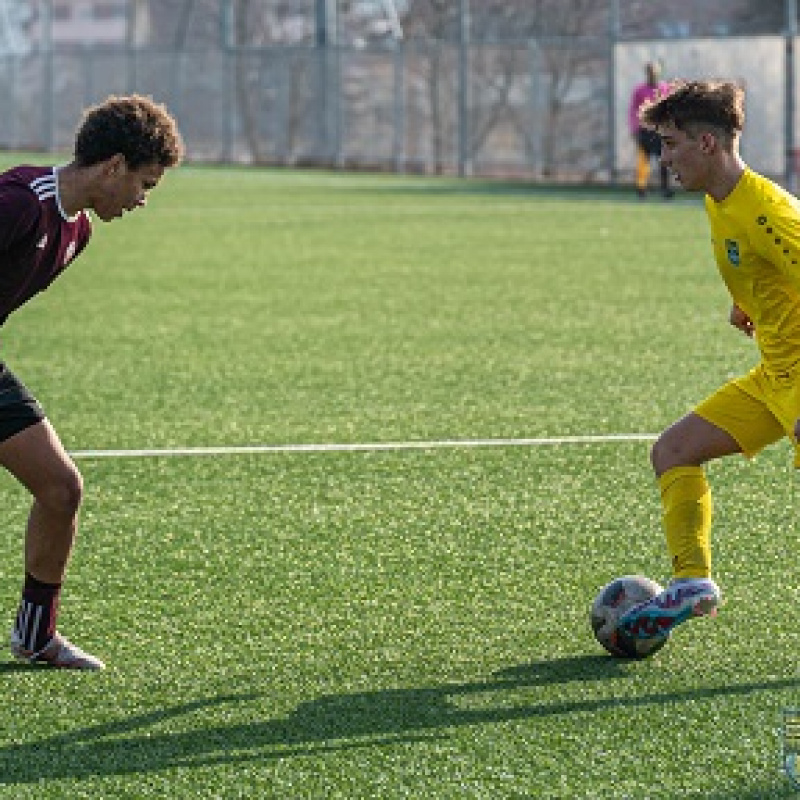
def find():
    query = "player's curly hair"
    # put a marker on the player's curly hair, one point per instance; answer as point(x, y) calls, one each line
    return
point(141, 130)
point(693, 105)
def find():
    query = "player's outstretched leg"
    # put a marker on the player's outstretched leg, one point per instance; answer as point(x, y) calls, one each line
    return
point(36, 457)
point(683, 599)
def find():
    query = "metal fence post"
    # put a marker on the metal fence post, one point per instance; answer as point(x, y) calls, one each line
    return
point(534, 98)
point(131, 70)
point(48, 78)
point(328, 82)
point(399, 107)
point(464, 94)
point(613, 36)
point(229, 52)
point(14, 116)
point(790, 15)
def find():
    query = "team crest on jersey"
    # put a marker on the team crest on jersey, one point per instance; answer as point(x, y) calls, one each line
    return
point(732, 248)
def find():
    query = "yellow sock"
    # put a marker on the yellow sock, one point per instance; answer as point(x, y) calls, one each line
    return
point(686, 500)
point(642, 169)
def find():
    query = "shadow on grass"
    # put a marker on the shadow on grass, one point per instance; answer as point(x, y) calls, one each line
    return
point(430, 186)
point(781, 789)
point(140, 744)
point(17, 667)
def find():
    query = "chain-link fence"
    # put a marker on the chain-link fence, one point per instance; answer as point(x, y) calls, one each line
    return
point(546, 106)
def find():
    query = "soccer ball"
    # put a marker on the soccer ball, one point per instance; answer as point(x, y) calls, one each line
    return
point(612, 601)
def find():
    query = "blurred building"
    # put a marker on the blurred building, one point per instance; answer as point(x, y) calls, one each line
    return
point(86, 23)
point(89, 21)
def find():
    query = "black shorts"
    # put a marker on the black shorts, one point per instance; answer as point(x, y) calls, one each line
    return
point(18, 407)
point(649, 141)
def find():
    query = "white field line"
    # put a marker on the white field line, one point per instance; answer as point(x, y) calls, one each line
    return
point(169, 452)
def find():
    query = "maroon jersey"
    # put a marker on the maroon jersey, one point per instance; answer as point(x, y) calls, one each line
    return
point(37, 240)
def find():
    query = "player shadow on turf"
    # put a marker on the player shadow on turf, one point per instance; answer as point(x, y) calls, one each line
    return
point(541, 192)
point(191, 734)
point(564, 670)
point(16, 667)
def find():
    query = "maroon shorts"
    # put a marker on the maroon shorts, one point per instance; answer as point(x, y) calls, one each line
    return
point(18, 407)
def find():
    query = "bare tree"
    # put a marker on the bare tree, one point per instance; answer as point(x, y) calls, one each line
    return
point(432, 22)
point(566, 38)
point(257, 28)
point(759, 16)
point(246, 22)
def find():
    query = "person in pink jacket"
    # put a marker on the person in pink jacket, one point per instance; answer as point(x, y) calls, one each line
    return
point(648, 142)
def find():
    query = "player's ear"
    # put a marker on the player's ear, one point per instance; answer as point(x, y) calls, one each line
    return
point(708, 142)
point(115, 165)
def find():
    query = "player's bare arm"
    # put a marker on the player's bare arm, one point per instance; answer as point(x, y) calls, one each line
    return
point(741, 321)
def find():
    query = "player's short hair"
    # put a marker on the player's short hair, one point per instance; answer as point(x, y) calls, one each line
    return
point(693, 106)
point(141, 130)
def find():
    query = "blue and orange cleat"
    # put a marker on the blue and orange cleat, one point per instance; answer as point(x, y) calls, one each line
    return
point(683, 599)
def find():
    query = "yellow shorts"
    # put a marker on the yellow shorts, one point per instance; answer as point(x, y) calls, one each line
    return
point(757, 409)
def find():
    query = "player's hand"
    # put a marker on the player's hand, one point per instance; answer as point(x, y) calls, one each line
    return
point(741, 321)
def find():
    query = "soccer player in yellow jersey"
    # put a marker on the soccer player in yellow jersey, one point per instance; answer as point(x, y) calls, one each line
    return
point(755, 230)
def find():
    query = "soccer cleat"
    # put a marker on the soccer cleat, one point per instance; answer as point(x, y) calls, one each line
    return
point(682, 599)
point(58, 652)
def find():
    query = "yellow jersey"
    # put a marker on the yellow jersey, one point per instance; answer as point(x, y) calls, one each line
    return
point(755, 231)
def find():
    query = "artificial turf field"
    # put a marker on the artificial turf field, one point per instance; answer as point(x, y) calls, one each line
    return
point(408, 622)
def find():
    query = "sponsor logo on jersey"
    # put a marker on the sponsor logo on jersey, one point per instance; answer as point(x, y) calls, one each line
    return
point(732, 248)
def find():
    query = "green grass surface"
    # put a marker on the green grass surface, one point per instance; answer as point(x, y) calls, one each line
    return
point(392, 624)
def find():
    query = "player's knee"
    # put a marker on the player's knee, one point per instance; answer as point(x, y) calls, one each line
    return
point(63, 495)
point(666, 453)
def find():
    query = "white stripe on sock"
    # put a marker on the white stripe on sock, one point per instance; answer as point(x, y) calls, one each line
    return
point(35, 628)
point(22, 620)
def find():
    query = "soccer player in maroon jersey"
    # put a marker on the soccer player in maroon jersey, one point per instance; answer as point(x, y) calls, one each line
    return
point(122, 148)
